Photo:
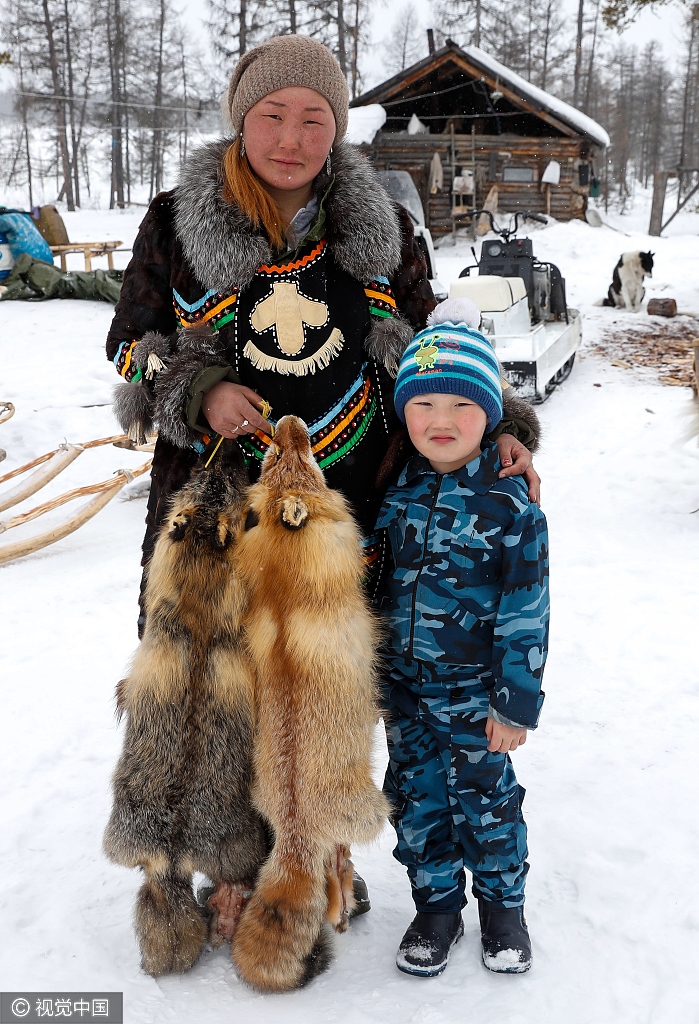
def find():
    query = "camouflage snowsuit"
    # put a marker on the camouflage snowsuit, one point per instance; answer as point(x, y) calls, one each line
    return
point(468, 605)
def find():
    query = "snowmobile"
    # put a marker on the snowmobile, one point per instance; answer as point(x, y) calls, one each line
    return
point(524, 309)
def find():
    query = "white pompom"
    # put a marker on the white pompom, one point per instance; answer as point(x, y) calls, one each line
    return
point(456, 311)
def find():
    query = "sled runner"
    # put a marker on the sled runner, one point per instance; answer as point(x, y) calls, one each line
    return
point(7, 411)
point(46, 467)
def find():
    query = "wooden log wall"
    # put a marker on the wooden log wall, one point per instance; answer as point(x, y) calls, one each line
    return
point(391, 151)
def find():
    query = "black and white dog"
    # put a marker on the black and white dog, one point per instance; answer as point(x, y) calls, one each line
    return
point(626, 290)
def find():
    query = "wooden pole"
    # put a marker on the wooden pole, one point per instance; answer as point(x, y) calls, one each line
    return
point(656, 211)
point(680, 207)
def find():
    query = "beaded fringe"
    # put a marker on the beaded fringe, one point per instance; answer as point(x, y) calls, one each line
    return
point(301, 367)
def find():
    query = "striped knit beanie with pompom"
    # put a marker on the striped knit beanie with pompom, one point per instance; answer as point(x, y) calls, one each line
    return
point(452, 358)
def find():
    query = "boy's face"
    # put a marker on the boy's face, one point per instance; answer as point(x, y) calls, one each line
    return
point(446, 429)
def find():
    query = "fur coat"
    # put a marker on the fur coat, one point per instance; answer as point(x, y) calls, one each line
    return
point(196, 258)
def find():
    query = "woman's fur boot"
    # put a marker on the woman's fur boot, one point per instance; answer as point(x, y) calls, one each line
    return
point(312, 640)
point(182, 785)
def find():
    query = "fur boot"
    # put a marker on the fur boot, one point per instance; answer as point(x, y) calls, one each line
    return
point(312, 641)
point(182, 785)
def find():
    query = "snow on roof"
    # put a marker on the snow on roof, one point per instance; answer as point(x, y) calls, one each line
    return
point(364, 122)
point(575, 118)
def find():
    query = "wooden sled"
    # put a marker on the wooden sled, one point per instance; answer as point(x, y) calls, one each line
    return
point(7, 411)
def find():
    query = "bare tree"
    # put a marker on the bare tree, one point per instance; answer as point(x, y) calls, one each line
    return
point(591, 58)
point(235, 26)
point(578, 56)
point(404, 44)
point(116, 52)
point(619, 13)
point(59, 106)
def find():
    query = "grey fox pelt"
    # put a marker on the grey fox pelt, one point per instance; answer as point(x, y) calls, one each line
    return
point(312, 640)
point(182, 784)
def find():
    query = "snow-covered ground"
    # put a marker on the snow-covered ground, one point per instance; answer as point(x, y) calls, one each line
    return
point(611, 774)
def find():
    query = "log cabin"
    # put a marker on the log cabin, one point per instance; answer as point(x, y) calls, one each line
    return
point(460, 114)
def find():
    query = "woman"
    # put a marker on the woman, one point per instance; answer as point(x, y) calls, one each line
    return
point(297, 281)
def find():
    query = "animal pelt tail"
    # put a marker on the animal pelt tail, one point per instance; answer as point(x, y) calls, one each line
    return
point(170, 926)
point(282, 940)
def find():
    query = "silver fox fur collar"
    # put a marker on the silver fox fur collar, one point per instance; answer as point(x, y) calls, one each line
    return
point(224, 250)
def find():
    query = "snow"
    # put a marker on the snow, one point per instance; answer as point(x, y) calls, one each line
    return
point(364, 123)
point(527, 91)
point(611, 774)
point(507, 961)
point(417, 952)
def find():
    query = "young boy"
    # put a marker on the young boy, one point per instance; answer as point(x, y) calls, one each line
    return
point(468, 606)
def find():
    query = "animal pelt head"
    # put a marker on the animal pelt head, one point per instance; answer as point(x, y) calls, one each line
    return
point(211, 497)
point(292, 497)
point(647, 263)
point(191, 564)
point(289, 463)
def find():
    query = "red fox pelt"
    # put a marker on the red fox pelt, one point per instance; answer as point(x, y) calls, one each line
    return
point(182, 784)
point(312, 640)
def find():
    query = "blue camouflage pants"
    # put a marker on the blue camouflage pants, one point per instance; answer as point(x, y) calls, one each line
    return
point(456, 805)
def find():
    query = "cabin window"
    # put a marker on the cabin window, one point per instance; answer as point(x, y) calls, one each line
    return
point(519, 174)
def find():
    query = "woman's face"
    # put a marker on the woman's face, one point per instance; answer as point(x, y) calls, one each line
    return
point(288, 136)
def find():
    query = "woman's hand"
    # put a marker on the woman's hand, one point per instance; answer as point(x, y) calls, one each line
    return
point(503, 737)
point(517, 461)
point(232, 410)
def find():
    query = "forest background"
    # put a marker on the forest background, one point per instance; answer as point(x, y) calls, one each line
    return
point(99, 102)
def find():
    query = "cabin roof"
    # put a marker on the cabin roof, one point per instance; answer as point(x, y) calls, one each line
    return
point(416, 86)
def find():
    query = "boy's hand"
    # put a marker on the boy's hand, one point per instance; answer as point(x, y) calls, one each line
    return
point(503, 737)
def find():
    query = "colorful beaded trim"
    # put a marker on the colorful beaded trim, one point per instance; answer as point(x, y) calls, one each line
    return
point(381, 300)
point(373, 548)
point(214, 308)
point(285, 268)
point(123, 360)
point(336, 433)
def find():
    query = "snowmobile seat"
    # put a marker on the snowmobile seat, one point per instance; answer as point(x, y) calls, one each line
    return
point(490, 293)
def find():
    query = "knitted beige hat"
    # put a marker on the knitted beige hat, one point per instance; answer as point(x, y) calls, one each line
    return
point(285, 61)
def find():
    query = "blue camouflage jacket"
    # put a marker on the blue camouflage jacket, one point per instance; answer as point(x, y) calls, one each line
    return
point(468, 593)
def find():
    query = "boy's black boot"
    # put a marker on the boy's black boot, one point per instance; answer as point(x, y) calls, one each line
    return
point(427, 944)
point(504, 937)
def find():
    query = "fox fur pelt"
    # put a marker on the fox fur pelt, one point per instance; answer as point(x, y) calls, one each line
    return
point(182, 785)
point(250, 710)
point(312, 641)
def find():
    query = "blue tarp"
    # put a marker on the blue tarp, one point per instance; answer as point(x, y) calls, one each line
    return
point(23, 235)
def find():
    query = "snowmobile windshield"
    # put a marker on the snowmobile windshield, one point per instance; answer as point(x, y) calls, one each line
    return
point(401, 187)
